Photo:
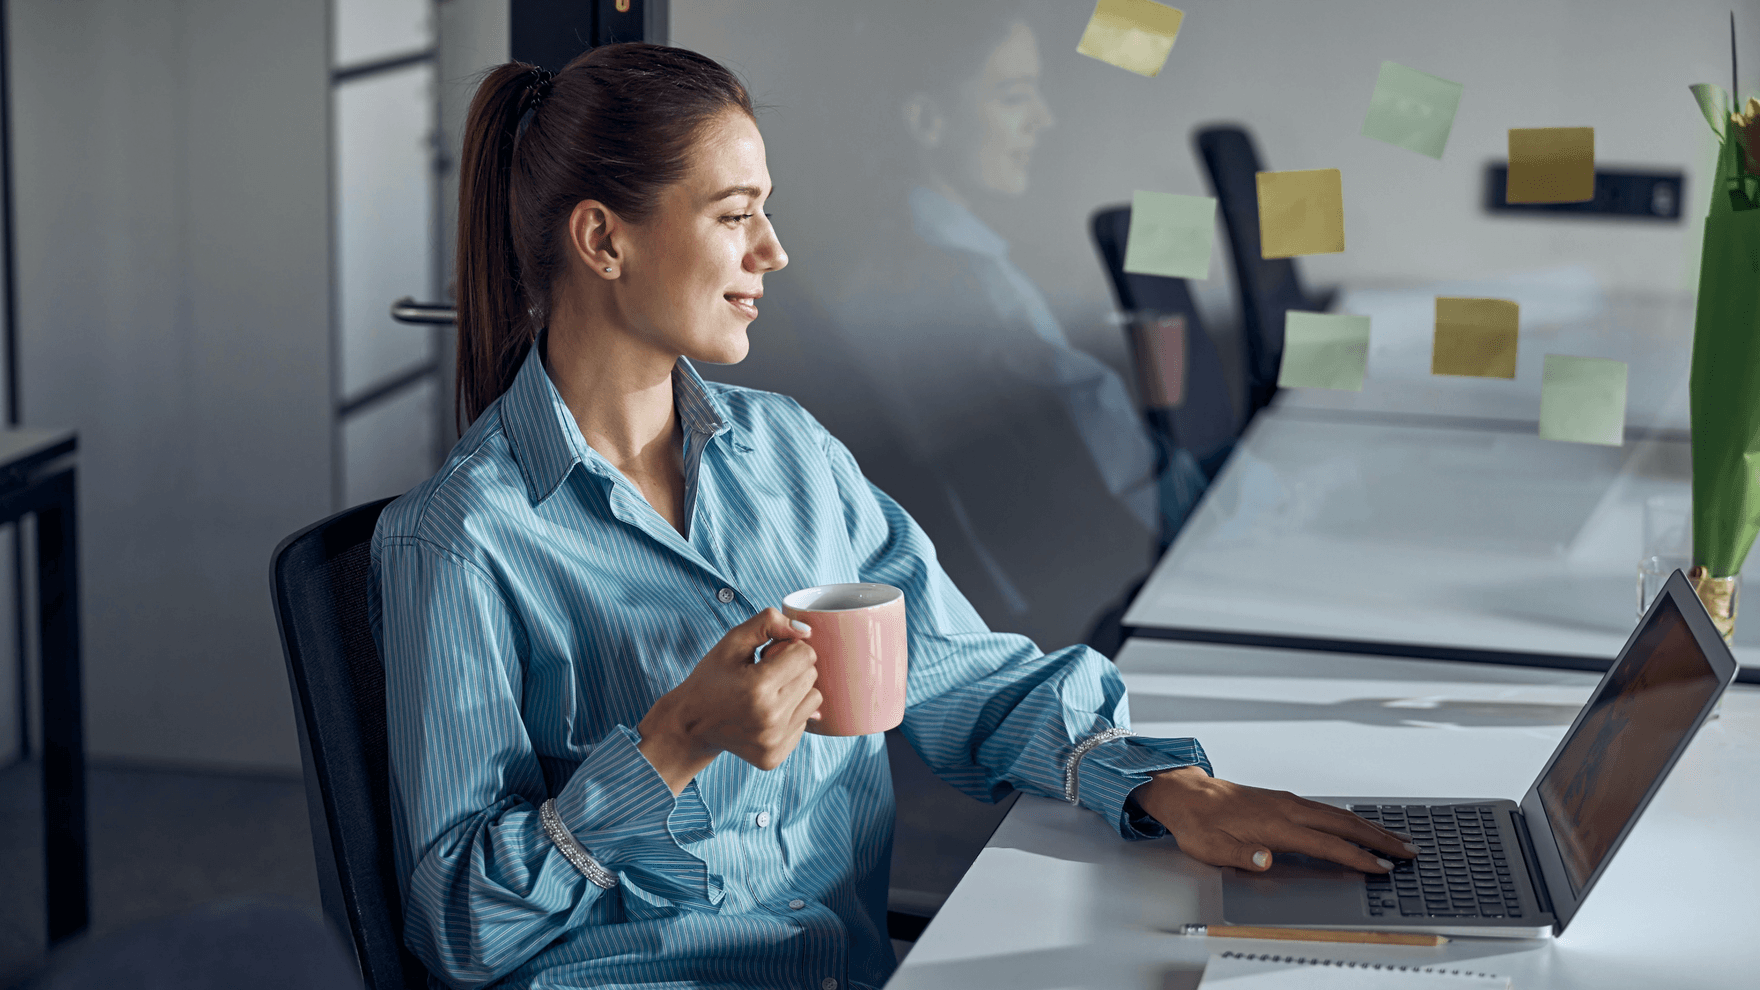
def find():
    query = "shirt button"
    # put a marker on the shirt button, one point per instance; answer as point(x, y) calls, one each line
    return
point(828, 984)
point(724, 596)
point(763, 819)
point(796, 904)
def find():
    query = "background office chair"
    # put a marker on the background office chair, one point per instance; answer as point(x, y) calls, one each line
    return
point(1267, 287)
point(318, 577)
point(1202, 427)
point(1204, 424)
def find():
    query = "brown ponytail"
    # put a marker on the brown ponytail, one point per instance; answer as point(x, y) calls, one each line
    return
point(615, 125)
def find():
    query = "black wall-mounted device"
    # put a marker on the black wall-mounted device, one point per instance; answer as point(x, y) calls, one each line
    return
point(550, 33)
point(1631, 194)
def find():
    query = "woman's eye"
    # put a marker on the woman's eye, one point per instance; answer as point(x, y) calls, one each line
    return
point(737, 218)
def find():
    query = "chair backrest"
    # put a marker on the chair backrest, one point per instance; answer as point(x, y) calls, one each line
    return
point(1268, 287)
point(319, 578)
point(1205, 423)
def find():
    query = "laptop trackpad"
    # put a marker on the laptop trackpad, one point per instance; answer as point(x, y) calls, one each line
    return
point(1296, 890)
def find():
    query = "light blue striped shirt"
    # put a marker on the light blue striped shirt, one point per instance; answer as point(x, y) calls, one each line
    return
point(530, 606)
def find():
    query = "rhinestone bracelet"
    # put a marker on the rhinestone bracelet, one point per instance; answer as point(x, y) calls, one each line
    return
point(1070, 782)
point(571, 849)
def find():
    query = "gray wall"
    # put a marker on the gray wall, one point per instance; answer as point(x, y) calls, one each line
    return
point(174, 261)
point(473, 39)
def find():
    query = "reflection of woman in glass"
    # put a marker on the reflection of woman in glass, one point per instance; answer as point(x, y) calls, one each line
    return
point(1047, 489)
point(601, 773)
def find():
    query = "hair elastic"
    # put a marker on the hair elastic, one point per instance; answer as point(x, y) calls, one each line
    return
point(539, 87)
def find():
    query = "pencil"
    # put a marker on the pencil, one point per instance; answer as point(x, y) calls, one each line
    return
point(1312, 935)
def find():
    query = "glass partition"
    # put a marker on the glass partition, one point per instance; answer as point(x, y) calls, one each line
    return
point(948, 315)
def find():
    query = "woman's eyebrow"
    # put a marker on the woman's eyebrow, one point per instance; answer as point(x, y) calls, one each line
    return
point(752, 191)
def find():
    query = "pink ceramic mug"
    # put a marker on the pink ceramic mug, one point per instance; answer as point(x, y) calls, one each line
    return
point(859, 635)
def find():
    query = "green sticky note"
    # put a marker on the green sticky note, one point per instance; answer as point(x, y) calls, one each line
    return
point(1324, 350)
point(1412, 109)
point(1170, 235)
point(1583, 399)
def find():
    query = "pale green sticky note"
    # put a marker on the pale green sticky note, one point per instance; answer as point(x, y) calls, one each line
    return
point(1170, 235)
point(1412, 109)
point(1324, 350)
point(1583, 399)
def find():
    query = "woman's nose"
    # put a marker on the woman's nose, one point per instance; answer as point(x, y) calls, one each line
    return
point(1042, 116)
point(767, 255)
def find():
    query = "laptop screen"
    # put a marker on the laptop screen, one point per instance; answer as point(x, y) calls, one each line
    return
point(1628, 734)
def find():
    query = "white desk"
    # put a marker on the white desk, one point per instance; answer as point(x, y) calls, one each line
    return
point(1423, 540)
point(1057, 900)
point(1653, 334)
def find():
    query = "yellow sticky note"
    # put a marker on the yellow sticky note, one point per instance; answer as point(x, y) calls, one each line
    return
point(1300, 213)
point(1132, 34)
point(1475, 337)
point(1551, 165)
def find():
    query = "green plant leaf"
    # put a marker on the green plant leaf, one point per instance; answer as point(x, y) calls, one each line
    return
point(1714, 102)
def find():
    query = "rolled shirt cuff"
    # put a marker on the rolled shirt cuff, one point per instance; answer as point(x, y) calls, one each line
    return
point(620, 810)
point(1112, 770)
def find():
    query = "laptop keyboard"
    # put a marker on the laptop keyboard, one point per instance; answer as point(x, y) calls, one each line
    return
point(1460, 871)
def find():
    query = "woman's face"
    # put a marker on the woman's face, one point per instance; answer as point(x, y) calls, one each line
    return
point(1010, 113)
point(692, 273)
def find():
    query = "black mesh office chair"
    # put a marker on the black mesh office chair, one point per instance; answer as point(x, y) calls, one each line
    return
point(1267, 287)
point(1204, 424)
point(318, 577)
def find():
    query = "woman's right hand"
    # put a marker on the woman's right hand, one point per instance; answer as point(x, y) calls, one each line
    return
point(756, 711)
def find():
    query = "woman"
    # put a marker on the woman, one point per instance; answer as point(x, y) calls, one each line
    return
point(593, 784)
point(1010, 427)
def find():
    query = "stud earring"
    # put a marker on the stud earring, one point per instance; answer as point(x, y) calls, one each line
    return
point(607, 269)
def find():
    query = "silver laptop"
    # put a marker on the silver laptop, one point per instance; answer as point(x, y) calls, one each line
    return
point(1499, 868)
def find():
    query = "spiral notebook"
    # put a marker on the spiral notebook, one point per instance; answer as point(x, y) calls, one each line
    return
point(1268, 971)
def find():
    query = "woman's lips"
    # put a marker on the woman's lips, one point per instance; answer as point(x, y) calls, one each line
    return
point(745, 305)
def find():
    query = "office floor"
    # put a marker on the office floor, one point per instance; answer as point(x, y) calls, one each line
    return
point(164, 841)
point(161, 842)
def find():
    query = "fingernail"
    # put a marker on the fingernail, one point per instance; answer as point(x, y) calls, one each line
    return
point(1385, 864)
point(1413, 849)
point(1261, 859)
point(1402, 836)
point(800, 626)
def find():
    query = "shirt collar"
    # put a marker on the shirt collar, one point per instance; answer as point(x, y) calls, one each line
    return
point(546, 441)
point(943, 222)
point(696, 407)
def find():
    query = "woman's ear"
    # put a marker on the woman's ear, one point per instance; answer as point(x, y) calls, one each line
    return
point(924, 119)
point(593, 235)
